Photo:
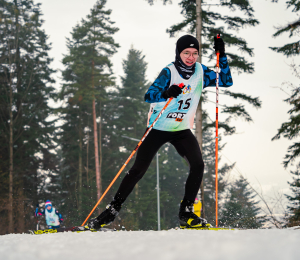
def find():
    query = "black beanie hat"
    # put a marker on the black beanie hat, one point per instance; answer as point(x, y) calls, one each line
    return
point(187, 41)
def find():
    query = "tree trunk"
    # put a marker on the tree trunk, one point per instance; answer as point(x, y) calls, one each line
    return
point(21, 212)
point(11, 165)
point(11, 124)
point(100, 150)
point(87, 156)
point(96, 139)
point(198, 131)
point(80, 169)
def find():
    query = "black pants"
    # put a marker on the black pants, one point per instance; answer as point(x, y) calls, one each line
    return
point(186, 145)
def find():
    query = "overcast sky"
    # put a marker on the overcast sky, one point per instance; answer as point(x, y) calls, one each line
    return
point(144, 26)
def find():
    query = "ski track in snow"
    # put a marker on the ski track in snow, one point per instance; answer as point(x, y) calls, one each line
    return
point(154, 245)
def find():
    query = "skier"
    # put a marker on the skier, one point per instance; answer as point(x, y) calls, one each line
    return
point(173, 126)
point(52, 216)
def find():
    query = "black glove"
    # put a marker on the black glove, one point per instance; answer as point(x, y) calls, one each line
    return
point(219, 46)
point(173, 91)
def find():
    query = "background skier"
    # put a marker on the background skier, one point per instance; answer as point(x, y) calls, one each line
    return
point(52, 216)
point(173, 126)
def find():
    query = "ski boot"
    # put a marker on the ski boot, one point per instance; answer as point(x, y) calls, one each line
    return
point(188, 219)
point(106, 217)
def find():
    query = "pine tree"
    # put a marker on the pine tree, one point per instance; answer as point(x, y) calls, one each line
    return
point(240, 208)
point(293, 219)
point(290, 129)
point(98, 42)
point(130, 120)
point(211, 27)
point(27, 157)
point(290, 49)
point(88, 75)
point(212, 24)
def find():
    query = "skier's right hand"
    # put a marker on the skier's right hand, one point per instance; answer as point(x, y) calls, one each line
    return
point(173, 91)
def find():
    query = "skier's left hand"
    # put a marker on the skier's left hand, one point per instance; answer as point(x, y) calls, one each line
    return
point(61, 221)
point(219, 46)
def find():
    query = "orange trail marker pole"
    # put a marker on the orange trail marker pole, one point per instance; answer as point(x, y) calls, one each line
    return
point(181, 85)
point(217, 126)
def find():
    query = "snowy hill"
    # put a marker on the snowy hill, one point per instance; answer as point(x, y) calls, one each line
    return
point(154, 245)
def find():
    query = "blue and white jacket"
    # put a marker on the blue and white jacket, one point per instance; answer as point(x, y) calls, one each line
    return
point(53, 218)
point(179, 115)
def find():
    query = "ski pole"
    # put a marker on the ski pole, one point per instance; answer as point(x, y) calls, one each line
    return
point(217, 126)
point(181, 85)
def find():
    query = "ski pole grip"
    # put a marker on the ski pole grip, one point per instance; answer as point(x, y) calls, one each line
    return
point(218, 37)
point(218, 52)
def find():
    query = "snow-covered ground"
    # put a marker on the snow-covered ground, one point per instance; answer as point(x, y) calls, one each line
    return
point(155, 245)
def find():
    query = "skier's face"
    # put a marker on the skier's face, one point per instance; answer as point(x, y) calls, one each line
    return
point(49, 208)
point(189, 56)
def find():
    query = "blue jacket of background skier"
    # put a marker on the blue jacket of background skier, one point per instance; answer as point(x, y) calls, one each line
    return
point(43, 212)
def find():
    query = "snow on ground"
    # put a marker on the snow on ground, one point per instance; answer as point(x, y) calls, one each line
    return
point(155, 245)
